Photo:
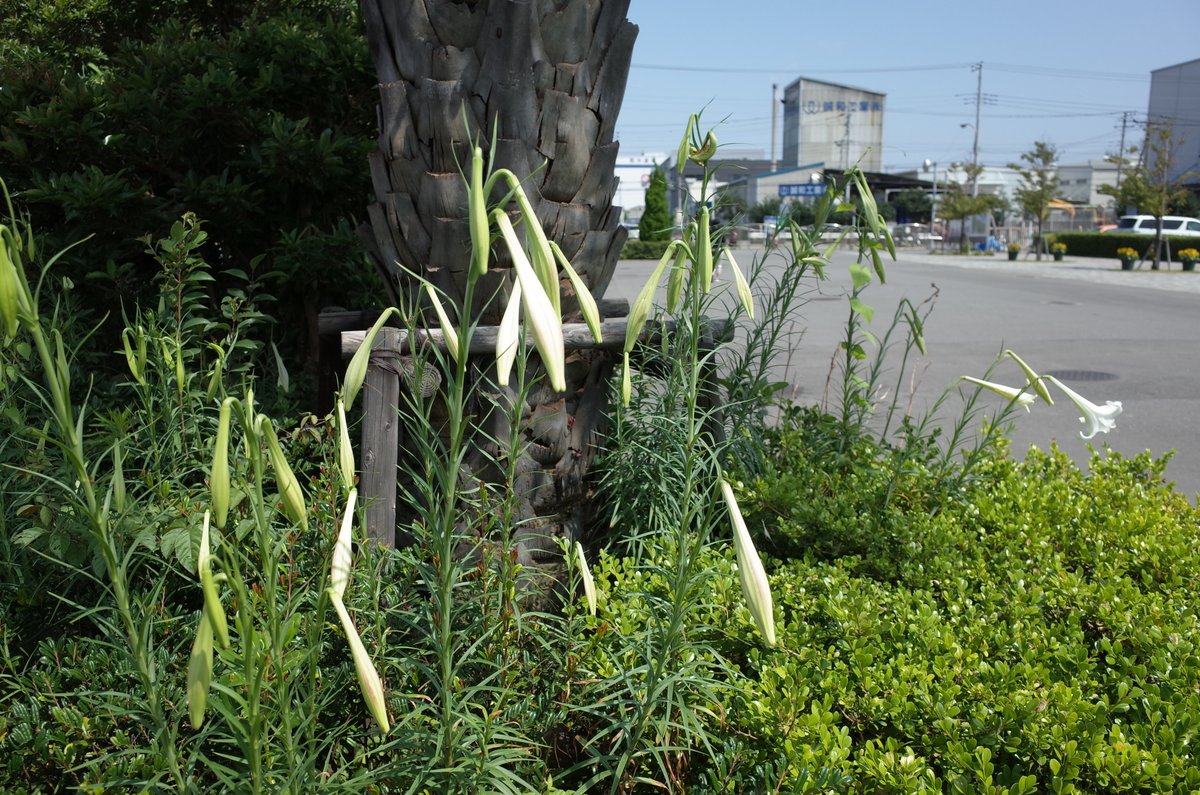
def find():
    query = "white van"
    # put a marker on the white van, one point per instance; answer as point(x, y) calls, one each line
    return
point(1171, 225)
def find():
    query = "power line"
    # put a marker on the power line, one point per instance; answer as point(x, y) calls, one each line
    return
point(796, 70)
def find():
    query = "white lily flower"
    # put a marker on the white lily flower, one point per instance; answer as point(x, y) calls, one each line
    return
point(1098, 419)
point(1022, 397)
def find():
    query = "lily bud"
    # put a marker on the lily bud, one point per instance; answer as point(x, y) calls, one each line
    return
point(1034, 379)
point(589, 585)
point(339, 573)
point(743, 286)
point(704, 254)
point(448, 330)
point(368, 678)
point(587, 304)
point(508, 336)
point(292, 497)
point(345, 449)
point(218, 478)
point(539, 311)
point(1022, 397)
point(755, 587)
point(199, 674)
point(213, 610)
point(477, 215)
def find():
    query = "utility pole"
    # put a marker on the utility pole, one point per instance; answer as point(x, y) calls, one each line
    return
point(846, 145)
point(774, 116)
point(975, 147)
point(1121, 151)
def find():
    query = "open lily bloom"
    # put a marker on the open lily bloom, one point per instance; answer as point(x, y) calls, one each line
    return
point(1097, 419)
point(1022, 397)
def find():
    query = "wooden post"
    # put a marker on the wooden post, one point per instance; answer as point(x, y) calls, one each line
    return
point(381, 436)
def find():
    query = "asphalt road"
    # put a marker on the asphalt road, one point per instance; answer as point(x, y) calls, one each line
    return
point(1109, 335)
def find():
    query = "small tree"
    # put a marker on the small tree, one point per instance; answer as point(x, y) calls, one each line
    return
point(656, 218)
point(957, 205)
point(1148, 186)
point(1039, 185)
point(912, 206)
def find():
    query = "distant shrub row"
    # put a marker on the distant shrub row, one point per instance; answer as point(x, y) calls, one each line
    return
point(1105, 244)
point(644, 249)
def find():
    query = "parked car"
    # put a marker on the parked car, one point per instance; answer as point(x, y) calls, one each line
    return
point(1171, 225)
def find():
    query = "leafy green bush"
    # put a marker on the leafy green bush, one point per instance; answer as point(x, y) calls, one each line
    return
point(262, 131)
point(1035, 635)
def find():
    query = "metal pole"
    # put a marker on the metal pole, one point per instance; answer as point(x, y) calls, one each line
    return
point(975, 148)
point(774, 116)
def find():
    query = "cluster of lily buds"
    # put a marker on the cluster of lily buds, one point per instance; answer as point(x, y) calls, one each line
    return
point(1096, 418)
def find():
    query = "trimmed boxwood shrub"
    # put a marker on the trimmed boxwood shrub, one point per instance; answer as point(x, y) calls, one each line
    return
point(644, 249)
point(1038, 634)
point(1105, 244)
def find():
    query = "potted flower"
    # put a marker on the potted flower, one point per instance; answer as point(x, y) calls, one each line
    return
point(1188, 257)
point(1058, 250)
point(1128, 257)
point(1014, 249)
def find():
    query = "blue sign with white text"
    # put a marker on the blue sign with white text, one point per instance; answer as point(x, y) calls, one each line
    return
point(802, 190)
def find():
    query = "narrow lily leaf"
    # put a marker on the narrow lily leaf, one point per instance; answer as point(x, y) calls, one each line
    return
point(1022, 397)
point(1096, 419)
point(356, 371)
point(339, 574)
point(589, 585)
point(508, 336)
point(292, 496)
point(539, 312)
point(218, 476)
point(345, 449)
point(743, 286)
point(368, 678)
point(755, 587)
point(136, 363)
point(640, 311)
point(199, 674)
point(1034, 379)
point(448, 331)
point(587, 304)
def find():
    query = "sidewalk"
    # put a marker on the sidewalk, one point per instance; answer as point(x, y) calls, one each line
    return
point(1092, 269)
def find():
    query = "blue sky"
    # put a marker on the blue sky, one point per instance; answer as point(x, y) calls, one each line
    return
point(1057, 71)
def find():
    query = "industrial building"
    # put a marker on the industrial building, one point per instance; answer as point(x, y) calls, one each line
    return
point(841, 126)
point(1175, 103)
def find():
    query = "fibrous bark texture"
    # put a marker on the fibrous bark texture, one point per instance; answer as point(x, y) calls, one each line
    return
point(544, 79)
point(537, 84)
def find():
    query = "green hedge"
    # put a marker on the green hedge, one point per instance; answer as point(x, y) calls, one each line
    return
point(1105, 244)
point(1036, 635)
point(644, 249)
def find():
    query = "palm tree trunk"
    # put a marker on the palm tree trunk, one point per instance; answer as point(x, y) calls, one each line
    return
point(544, 80)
